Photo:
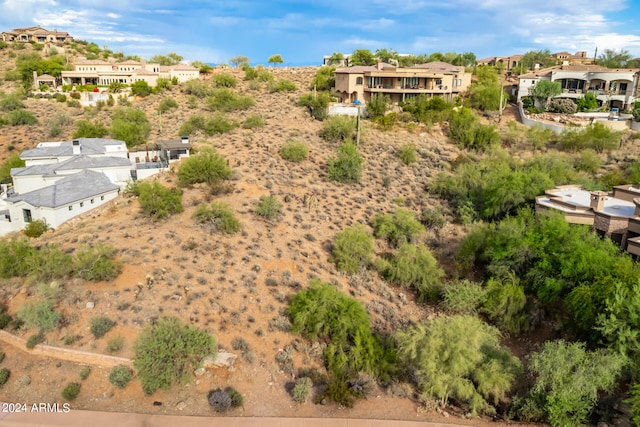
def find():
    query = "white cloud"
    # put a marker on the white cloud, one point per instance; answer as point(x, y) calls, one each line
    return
point(20, 10)
point(113, 15)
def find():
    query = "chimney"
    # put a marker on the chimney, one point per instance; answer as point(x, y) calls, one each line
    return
point(76, 147)
point(184, 139)
point(597, 200)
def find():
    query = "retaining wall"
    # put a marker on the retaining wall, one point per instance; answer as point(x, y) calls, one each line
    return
point(71, 355)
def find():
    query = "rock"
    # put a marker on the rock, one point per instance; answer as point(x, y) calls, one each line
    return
point(181, 405)
point(222, 359)
point(54, 285)
point(24, 380)
point(91, 304)
point(199, 372)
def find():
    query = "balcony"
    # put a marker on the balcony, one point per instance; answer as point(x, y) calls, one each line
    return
point(407, 89)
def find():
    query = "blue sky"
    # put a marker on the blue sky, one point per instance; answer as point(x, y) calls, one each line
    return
point(305, 30)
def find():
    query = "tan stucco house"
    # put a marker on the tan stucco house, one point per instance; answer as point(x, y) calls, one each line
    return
point(36, 34)
point(400, 84)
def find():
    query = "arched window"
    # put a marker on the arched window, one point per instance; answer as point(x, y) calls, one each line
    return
point(358, 80)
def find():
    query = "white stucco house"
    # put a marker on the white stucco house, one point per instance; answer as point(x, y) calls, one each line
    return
point(62, 180)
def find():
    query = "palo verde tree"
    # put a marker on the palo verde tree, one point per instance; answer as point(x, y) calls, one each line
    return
point(459, 357)
point(275, 59)
point(362, 57)
point(207, 167)
point(544, 90)
point(613, 59)
point(130, 125)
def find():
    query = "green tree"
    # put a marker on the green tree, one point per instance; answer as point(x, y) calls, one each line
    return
point(352, 249)
point(539, 57)
point(612, 59)
point(275, 59)
point(158, 201)
point(386, 55)
point(207, 167)
point(378, 105)
point(168, 352)
point(324, 78)
point(239, 61)
point(544, 90)
point(90, 129)
point(130, 125)
point(569, 380)
point(459, 357)
point(587, 102)
point(204, 68)
point(414, 266)
point(487, 92)
point(336, 58)
point(362, 57)
point(14, 161)
point(141, 88)
point(317, 103)
point(171, 58)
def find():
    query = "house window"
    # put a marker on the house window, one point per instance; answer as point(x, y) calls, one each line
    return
point(91, 201)
point(81, 204)
point(358, 80)
point(70, 207)
point(101, 197)
point(26, 213)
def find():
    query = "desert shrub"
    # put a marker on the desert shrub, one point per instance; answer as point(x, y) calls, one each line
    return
point(386, 122)
point(14, 258)
point(34, 340)
point(208, 167)
point(397, 228)
point(193, 124)
point(321, 312)
point(5, 319)
point(317, 103)
point(414, 266)
point(224, 80)
point(169, 351)
point(219, 124)
point(302, 389)
point(100, 326)
point(465, 128)
point(130, 125)
point(39, 315)
point(21, 117)
point(141, 88)
point(260, 74)
point(10, 102)
point(378, 105)
point(505, 304)
point(596, 136)
point(253, 122)
point(57, 122)
point(158, 201)
point(97, 263)
point(268, 207)
point(84, 373)
point(197, 88)
point(14, 161)
point(73, 103)
point(89, 129)
point(4, 376)
point(407, 153)
point(338, 128)
point(219, 400)
point(220, 215)
point(61, 97)
point(114, 345)
point(283, 85)
point(588, 102)
point(36, 228)
point(294, 151)
point(120, 376)
point(227, 100)
point(459, 357)
point(563, 105)
point(167, 104)
point(71, 391)
point(162, 84)
point(589, 161)
point(347, 166)
point(352, 249)
point(236, 397)
point(464, 297)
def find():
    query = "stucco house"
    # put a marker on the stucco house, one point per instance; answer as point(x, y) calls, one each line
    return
point(618, 88)
point(36, 34)
point(615, 216)
point(400, 84)
point(102, 73)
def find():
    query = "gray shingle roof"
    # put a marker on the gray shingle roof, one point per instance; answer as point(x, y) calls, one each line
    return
point(89, 146)
point(70, 189)
point(76, 162)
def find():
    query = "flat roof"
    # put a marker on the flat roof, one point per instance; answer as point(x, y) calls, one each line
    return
point(581, 198)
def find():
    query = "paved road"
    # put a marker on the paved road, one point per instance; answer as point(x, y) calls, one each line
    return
point(77, 418)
